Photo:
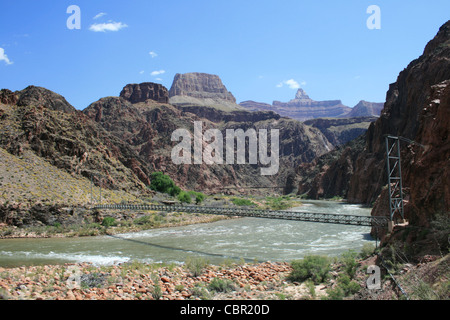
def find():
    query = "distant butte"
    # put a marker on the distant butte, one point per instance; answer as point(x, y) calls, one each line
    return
point(201, 89)
point(303, 108)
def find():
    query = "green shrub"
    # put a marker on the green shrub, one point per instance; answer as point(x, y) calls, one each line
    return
point(315, 268)
point(242, 202)
point(156, 292)
point(367, 250)
point(109, 222)
point(221, 285)
point(278, 203)
point(143, 220)
point(200, 291)
point(335, 293)
point(174, 191)
point(196, 265)
point(344, 288)
point(199, 197)
point(350, 263)
point(184, 197)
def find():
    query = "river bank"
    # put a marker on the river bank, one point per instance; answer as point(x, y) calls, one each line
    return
point(196, 280)
point(58, 221)
point(137, 222)
point(426, 280)
point(201, 261)
point(137, 281)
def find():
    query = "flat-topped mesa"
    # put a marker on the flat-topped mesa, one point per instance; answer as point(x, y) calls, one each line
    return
point(200, 85)
point(142, 92)
point(201, 89)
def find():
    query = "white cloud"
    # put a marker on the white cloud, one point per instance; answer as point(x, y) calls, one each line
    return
point(110, 26)
point(292, 84)
point(4, 57)
point(158, 72)
point(101, 14)
point(153, 54)
point(141, 72)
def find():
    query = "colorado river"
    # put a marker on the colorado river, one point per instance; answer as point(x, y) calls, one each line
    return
point(247, 238)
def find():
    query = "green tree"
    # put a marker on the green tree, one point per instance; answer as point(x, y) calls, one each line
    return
point(163, 183)
point(199, 198)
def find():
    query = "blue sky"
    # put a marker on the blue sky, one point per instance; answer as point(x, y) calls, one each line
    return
point(262, 50)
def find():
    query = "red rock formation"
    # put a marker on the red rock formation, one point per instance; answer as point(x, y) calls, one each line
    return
point(302, 107)
point(200, 85)
point(418, 108)
point(148, 90)
point(401, 115)
point(201, 89)
point(7, 97)
point(41, 97)
point(365, 109)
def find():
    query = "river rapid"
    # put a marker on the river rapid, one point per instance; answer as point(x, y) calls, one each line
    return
point(250, 239)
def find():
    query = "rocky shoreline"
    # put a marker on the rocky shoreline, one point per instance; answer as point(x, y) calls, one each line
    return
point(196, 279)
point(136, 281)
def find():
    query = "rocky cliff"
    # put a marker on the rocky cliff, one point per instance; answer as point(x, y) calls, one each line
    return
point(341, 131)
point(417, 108)
point(144, 91)
point(365, 109)
point(405, 101)
point(328, 176)
point(201, 89)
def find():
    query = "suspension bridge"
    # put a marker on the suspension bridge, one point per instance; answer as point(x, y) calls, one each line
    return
point(395, 200)
point(347, 219)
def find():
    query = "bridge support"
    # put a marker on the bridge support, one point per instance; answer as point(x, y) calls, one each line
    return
point(392, 224)
point(394, 171)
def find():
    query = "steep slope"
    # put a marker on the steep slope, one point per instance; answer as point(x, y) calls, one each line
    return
point(417, 108)
point(365, 109)
point(328, 176)
point(68, 140)
point(341, 131)
point(401, 116)
point(41, 97)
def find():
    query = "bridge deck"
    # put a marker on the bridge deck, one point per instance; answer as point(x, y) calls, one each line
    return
point(357, 220)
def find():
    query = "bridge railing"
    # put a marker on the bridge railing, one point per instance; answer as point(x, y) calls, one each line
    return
point(357, 220)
